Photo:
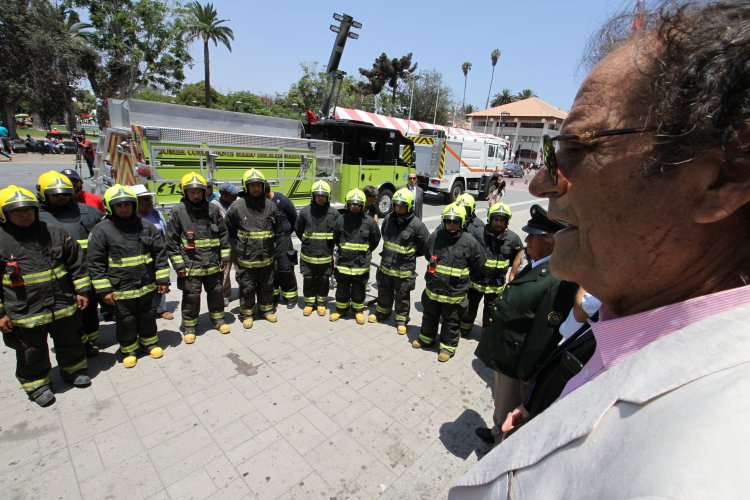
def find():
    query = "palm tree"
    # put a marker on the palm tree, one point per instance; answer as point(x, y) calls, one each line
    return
point(495, 55)
point(525, 94)
point(202, 22)
point(465, 67)
point(505, 96)
point(77, 39)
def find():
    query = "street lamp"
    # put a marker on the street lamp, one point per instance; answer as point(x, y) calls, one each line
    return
point(503, 116)
point(411, 101)
point(437, 98)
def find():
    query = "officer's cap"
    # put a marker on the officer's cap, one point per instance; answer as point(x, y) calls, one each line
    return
point(540, 223)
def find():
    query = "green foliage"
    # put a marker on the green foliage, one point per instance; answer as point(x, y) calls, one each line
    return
point(525, 94)
point(192, 94)
point(494, 57)
point(505, 96)
point(465, 68)
point(429, 90)
point(388, 72)
point(154, 95)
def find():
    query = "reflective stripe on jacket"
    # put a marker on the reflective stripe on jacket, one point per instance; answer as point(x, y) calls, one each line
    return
point(404, 239)
point(252, 229)
point(458, 258)
point(314, 228)
point(356, 236)
point(206, 247)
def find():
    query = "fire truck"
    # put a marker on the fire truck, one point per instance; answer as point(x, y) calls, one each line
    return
point(155, 144)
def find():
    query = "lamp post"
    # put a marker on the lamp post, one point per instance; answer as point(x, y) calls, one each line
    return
point(503, 116)
point(437, 98)
point(411, 101)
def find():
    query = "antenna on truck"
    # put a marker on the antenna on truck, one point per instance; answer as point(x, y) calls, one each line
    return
point(335, 77)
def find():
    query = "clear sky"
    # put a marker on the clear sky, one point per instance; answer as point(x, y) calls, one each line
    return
point(541, 41)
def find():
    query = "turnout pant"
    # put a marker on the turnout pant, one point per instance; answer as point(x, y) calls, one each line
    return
point(286, 280)
point(32, 353)
point(136, 322)
point(191, 298)
point(350, 291)
point(315, 282)
point(227, 287)
point(433, 312)
point(394, 293)
point(255, 281)
point(90, 320)
point(475, 296)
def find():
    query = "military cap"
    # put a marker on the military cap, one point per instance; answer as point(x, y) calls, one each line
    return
point(541, 224)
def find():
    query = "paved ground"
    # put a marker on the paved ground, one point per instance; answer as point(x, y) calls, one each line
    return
point(303, 408)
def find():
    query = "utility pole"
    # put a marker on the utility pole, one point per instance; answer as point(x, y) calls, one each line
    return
point(346, 23)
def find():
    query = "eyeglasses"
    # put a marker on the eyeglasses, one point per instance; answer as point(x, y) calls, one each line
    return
point(412, 178)
point(548, 147)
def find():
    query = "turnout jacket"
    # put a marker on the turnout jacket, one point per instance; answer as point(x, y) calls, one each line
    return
point(456, 258)
point(197, 238)
point(356, 236)
point(314, 228)
point(403, 239)
point(43, 270)
point(127, 257)
point(78, 219)
point(252, 224)
point(500, 250)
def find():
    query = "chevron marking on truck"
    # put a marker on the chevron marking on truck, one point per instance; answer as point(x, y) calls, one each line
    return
point(442, 161)
point(422, 140)
point(407, 154)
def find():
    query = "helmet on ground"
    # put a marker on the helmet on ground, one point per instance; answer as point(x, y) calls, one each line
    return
point(499, 209)
point(53, 183)
point(355, 197)
point(119, 194)
point(253, 175)
point(192, 180)
point(404, 197)
point(14, 197)
point(322, 188)
point(468, 201)
point(454, 212)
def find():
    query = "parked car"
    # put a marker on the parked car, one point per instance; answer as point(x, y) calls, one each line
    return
point(513, 170)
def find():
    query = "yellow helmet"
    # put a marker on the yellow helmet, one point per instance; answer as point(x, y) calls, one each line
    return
point(14, 197)
point(192, 180)
point(355, 197)
point(322, 188)
point(53, 183)
point(467, 200)
point(118, 194)
point(499, 209)
point(253, 175)
point(454, 212)
point(403, 196)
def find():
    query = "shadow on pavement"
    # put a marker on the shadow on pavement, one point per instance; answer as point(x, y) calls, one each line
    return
point(459, 437)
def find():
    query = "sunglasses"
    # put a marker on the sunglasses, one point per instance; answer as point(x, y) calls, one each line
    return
point(548, 146)
point(412, 178)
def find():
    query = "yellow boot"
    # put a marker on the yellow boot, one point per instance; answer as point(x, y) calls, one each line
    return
point(360, 317)
point(321, 310)
point(372, 318)
point(443, 356)
point(334, 316)
point(223, 328)
point(156, 352)
point(189, 338)
point(416, 344)
point(271, 317)
point(130, 360)
point(247, 323)
point(307, 311)
point(401, 330)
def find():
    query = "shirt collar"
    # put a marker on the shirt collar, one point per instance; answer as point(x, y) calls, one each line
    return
point(540, 261)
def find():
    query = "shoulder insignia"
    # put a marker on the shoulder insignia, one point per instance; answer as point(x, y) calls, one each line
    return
point(555, 318)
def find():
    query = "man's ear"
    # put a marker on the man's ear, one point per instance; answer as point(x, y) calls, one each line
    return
point(727, 176)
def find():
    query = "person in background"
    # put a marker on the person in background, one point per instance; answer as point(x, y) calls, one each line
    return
point(228, 193)
point(371, 202)
point(285, 284)
point(417, 192)
point(82, 196)
point(89, 153)
point(210, 194)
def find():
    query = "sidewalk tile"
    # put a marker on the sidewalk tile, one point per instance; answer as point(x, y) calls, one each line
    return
point(273, 473)
point(196, 485)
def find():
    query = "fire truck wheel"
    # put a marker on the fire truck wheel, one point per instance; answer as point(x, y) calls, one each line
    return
point(384, 202)
point(456, 190)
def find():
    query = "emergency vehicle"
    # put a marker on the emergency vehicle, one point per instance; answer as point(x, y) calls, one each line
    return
point(155, 144)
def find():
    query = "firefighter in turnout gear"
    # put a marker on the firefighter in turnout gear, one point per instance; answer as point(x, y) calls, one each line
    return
point(404, 237)
point(356, 235)
point(501, 247)
point(45, 284)
point(56, 196)
point(252, 222)
point(472, 224)
point(198, 246)
point(128, 265)
point(314, 228)
point(452, 255)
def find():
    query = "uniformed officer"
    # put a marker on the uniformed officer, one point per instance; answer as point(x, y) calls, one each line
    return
point(404, 237)
point(198, 246)
point(314, 228)
point(452, 255)
point(45, 284)
point(128, 265)
point(501, 246)
point(252, 223)
point(524, 321)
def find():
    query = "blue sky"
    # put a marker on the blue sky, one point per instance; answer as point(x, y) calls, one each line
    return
point(541, 41)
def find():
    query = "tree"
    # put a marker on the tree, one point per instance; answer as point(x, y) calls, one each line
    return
point(505, 96)
point(525, 94)
point(389, 72)
point(202, 23)
point(494, 56)
point(465, 67)
point(429, 91)
point(192, 94)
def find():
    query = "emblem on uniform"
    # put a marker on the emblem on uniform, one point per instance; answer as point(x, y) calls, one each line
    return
point(554, 318)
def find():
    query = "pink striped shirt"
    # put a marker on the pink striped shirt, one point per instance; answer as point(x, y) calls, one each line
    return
point(618, 338)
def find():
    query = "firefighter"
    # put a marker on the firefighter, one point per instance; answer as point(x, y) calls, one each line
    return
point(501, 247)
point(404, 237)
point(45, 284)
point(314, 228)
point(128, 265)
point(452, 255)
point(56, 196)
point(473, 224)
point(252, 222)
point(356, 235)
point(285, 285)
point(198, 246)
